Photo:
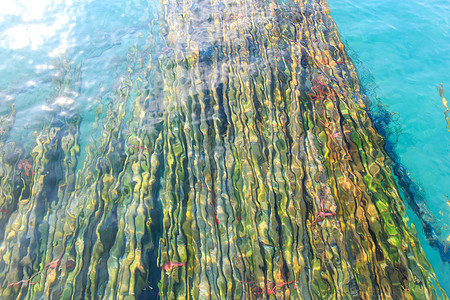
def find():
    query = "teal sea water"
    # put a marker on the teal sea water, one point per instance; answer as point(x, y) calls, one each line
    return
point(36, 36)
point(405, 45)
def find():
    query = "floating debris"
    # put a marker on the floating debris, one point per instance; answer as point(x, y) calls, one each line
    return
point(444, 102)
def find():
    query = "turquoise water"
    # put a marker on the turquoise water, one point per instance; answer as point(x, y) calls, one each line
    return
point(36, 35)
point(405, 45)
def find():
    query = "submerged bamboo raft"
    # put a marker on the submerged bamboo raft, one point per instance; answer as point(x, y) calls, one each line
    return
point(236, 161)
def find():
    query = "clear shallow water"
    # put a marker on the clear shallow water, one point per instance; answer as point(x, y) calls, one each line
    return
point(37, 35)
point(98, 39)
point(405, 45)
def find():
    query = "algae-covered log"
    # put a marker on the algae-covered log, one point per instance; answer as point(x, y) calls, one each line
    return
point(43, 176)
point(276, 178)
point(87, 232)
point(11, 183)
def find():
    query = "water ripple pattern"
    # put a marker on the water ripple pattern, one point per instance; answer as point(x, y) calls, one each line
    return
point(233, 159)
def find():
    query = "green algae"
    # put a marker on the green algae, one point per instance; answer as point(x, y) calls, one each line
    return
point(263, 126)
